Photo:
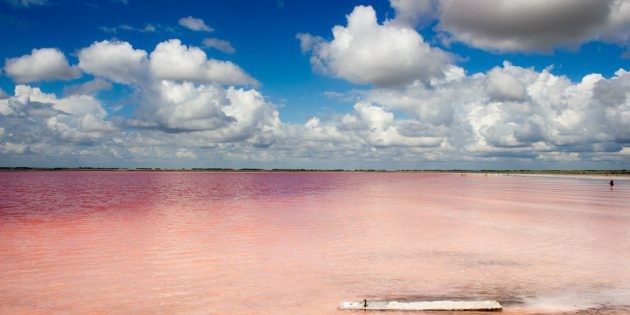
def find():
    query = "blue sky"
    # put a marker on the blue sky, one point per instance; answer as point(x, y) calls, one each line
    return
point(333, 84)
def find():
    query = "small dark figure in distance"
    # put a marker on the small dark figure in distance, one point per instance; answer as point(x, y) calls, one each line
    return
point(364, 303)
point(611, 184)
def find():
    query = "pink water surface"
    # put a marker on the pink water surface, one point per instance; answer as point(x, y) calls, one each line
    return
point(300, 243)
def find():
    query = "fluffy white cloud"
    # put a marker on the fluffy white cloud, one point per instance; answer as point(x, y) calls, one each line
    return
point(76, 105)
point(178, 111)
point(173, 61)
point(213, 114)
point(538, 25)
point(170, 60)
point(517, 112)
point(505, 115)
point(435, 105)
point(179, 91)
point(33, 120)
point(178, 107)
point(41, 65)
point(367, 127)
point(381, 129)
point(257, 121)
point(194, 24)
point(367, 52)
point(501, 85)
point(219, 44)
point(116, 61)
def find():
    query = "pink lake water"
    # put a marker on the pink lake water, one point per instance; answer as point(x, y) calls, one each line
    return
point(300, 243)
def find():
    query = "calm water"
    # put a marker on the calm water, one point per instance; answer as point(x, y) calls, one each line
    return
point(299, 243)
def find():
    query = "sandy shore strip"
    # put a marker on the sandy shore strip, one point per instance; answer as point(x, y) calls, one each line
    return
point(576, 176)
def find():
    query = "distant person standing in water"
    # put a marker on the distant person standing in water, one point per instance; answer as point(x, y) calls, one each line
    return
point(611, 184)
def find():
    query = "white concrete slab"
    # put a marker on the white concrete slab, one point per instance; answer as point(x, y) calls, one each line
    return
point(423, 305)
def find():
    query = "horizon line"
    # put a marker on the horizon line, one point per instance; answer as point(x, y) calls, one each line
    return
point(246, 169)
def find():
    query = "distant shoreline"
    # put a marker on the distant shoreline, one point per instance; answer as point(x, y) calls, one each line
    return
point(245, 170)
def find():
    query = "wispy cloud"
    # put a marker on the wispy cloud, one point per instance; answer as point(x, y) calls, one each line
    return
point(194, 24)
point(26, 3)
point(219, 44)
point(44, 64)
point(148, 28)
point(88, 88)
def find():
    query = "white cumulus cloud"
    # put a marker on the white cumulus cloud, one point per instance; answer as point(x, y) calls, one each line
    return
point(116, 61)
point(76, 105)
point(210, 112)
point(501, 85)
point(177, 107)
point(43, 64)
point(367, 52)
point(512, 111)
point(173, 61)
point(178, 110)
point(43, 123)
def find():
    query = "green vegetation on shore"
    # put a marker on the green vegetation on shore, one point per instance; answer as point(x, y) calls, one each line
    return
point(548, 172)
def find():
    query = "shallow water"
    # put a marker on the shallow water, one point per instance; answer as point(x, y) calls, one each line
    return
point(300, 243)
